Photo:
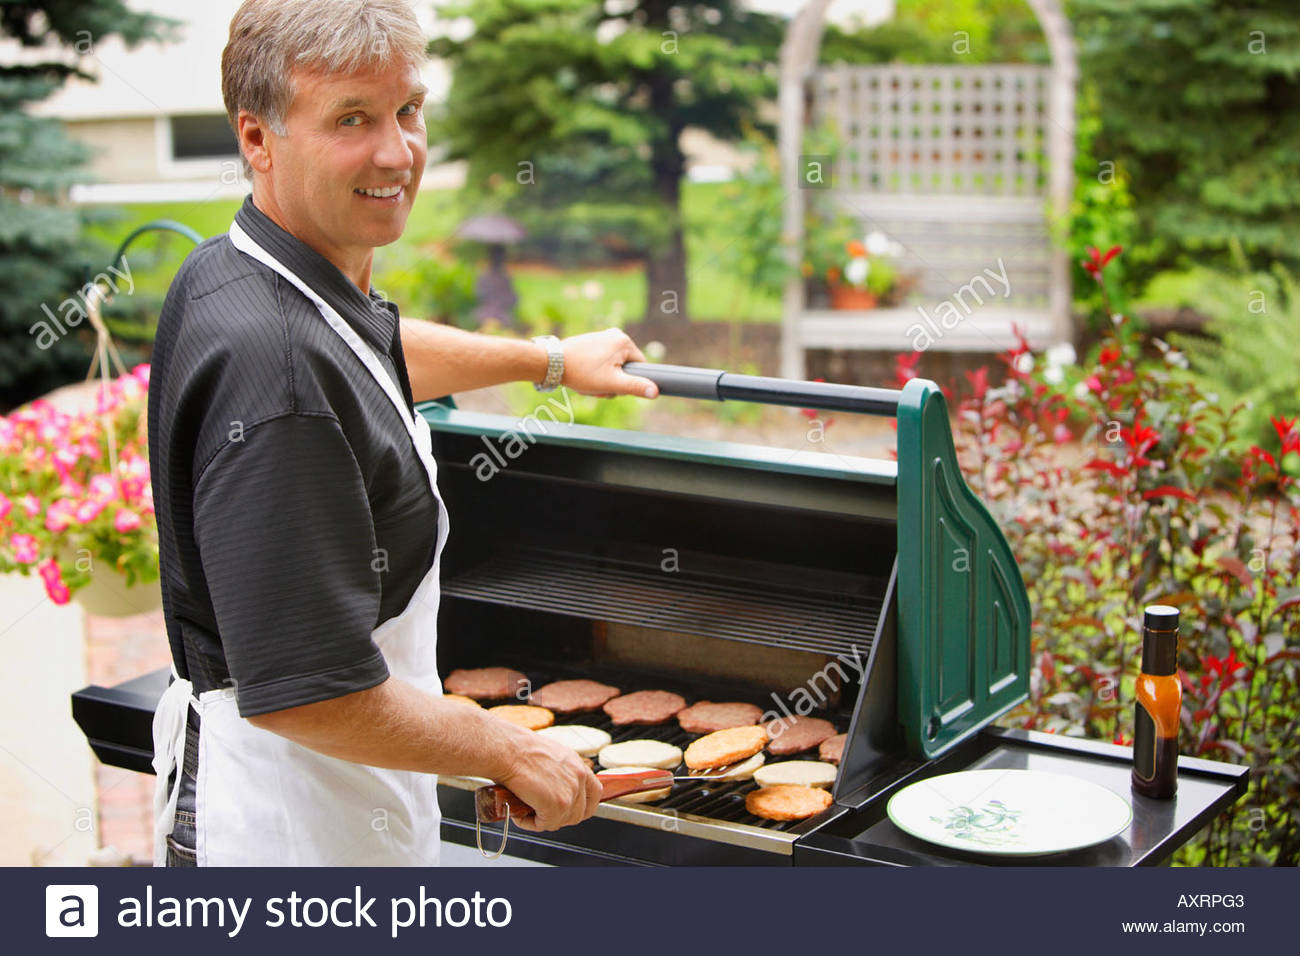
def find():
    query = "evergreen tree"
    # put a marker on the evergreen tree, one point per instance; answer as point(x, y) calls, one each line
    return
point(1200, 101)
point(44, 258)
point(578, 108)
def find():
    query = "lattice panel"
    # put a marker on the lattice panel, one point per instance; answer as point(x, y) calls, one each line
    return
point(969, 130)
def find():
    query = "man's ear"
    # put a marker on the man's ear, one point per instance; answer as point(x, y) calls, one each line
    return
point(253, 142)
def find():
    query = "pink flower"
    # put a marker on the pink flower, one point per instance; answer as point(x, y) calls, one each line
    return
point(26, 548)
point(49, 570)
point(64, 458)
point(52, 575)
point(103, 488)
point(126, 521)
point(6, 506)
point(89, 510)
point(141, 373)
point(59, 516)
point(31, 504)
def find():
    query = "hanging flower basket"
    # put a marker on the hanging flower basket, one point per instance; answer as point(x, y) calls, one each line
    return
point(76, 503)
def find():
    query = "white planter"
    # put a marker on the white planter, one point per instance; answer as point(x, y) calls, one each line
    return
point(107, 595)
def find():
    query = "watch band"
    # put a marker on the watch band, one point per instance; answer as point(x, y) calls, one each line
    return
point(554, 363)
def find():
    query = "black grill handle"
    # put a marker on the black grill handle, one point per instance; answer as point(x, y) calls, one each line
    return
point(718, 386)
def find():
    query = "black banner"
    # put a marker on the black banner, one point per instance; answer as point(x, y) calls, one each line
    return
point(691, 911)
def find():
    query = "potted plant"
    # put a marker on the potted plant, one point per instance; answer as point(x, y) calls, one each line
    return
point(851, 271)
point(866, 275)
point(76, 503)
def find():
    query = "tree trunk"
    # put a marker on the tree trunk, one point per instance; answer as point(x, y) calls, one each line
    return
point(665, 266)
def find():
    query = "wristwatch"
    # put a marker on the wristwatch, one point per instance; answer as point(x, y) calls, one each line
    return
point(554, 363)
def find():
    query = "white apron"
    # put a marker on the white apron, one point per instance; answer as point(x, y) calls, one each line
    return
point(262, 800)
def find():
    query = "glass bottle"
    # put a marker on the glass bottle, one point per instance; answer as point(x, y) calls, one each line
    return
point(1159, 701)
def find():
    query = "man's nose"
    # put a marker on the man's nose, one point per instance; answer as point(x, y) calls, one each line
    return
point(392, 151)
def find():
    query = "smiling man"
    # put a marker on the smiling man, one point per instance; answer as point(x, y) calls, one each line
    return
point(299, 518)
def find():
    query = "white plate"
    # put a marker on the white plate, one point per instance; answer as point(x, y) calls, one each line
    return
point(1009, 812)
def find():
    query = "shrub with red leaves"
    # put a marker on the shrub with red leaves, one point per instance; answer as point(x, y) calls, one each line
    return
point(1128, 486)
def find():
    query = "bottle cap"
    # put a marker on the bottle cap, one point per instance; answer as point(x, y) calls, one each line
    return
point(1161, 617)
point(1160, 640)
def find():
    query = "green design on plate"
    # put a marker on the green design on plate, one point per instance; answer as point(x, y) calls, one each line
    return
point(992, 825)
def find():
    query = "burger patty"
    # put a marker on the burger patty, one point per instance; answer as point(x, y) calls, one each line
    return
point(644, 707)
point(786, 802)
point(573, 696)
point(832, 748)
point(723, 747)
point(792, 735)
point(707, 717)
point(487, 683)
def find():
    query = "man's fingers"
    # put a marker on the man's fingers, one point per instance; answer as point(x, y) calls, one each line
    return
point(636, 385)
point(592, 792)
point(525, 821)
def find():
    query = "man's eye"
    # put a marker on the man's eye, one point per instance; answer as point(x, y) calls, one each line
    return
point(410, 109)
point(350, 121)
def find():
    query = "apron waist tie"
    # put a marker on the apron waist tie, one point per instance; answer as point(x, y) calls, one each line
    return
point(169, 722)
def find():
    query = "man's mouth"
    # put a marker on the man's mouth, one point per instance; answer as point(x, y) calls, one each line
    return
point(386, 192)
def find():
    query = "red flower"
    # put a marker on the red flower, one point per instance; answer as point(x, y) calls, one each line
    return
point(1287, 433)
point(979, 380)
point(1168, 491)
point(1098, 261)
point(1109, 354)
point(1261, 455)
point(1225, 669)
point(905, 367)
point(1101, 464)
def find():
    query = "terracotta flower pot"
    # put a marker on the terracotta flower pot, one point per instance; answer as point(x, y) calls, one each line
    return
point(847, 297)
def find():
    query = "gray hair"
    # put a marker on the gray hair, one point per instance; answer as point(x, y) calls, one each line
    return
point(269, 39)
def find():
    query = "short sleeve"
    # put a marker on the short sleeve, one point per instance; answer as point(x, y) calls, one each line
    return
point(285, 534)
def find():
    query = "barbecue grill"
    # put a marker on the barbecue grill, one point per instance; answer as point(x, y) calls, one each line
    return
point(878, 595)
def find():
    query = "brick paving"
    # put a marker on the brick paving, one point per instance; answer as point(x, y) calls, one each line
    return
point(118, 649)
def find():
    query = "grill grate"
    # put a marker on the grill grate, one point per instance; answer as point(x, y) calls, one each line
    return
point(800, 618)
point(722, 802)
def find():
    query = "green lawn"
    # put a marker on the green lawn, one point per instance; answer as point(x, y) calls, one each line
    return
point(714, 293)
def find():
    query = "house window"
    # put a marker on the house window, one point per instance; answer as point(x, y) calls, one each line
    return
point(207, 136)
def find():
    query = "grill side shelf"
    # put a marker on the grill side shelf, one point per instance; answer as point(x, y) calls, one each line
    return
point(795, 617)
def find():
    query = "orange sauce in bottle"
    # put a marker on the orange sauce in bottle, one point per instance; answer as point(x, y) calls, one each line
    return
point(1159, 704)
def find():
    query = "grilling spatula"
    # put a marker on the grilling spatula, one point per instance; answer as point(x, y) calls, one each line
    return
point(493, 803)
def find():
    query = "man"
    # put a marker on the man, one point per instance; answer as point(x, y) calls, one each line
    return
point(299, 520)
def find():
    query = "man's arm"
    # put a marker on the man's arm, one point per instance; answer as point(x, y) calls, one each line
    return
point(441, 360)
point(396, 726)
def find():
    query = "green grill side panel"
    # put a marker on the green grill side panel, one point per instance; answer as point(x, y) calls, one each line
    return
point(963, 614)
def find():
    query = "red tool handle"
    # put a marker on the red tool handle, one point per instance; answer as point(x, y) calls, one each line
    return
point(493, 802)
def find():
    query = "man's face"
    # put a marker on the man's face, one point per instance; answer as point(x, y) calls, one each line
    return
point(344, 178)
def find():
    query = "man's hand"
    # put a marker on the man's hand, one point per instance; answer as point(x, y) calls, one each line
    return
point(554, 781)
point(441, 360)
point(593, 366)
point(396, 726)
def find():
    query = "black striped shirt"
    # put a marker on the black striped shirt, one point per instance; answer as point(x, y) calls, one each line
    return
point(294, 516)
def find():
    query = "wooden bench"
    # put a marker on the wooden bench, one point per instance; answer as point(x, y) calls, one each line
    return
point(962, 166)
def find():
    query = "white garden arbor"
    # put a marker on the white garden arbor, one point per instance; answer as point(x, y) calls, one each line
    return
point(966, 167)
